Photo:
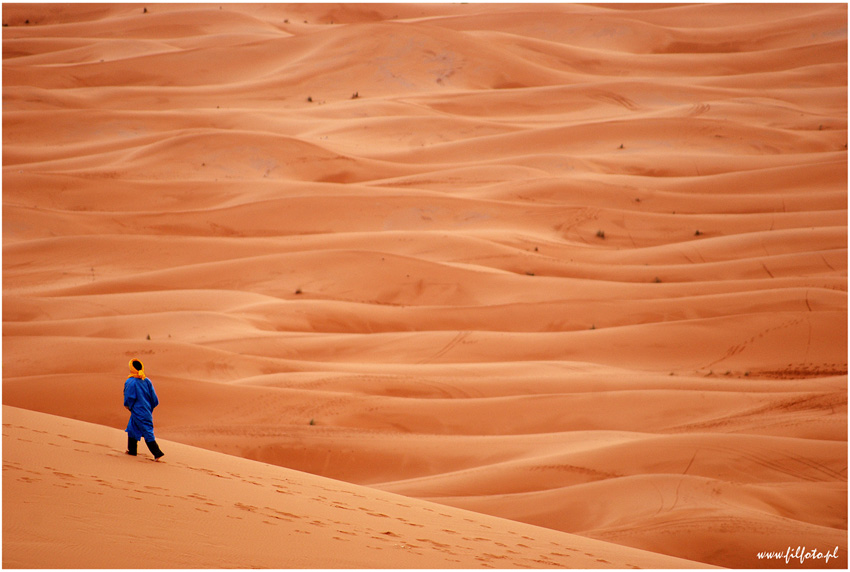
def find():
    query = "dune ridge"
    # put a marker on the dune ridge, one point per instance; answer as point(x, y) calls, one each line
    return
point(578, 266)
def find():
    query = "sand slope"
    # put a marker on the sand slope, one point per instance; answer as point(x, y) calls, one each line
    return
point(579, 266)
point(71, 499)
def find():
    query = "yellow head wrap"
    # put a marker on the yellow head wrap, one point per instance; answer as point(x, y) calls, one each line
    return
point(140, 373)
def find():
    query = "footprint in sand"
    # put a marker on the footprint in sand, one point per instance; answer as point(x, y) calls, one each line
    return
point(67, 478)
point(547, 562)
point(279, 514)
point(433, 542)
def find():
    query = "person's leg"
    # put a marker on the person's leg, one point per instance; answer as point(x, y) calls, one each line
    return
point(154, 449)
point(132, 445)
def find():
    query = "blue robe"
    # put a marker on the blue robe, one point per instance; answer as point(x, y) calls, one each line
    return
point(140, 398)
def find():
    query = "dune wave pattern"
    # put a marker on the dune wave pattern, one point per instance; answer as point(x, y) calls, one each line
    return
point(583, 267)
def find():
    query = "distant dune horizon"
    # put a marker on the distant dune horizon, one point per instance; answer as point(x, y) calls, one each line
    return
point(569, 278)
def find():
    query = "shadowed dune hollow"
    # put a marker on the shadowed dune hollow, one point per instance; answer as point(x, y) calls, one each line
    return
point(581, 267)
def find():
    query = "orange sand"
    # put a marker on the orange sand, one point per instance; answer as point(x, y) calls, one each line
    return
point(581, 267)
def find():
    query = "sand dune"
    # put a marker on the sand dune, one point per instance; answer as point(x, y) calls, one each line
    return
point(121, 512)
point(582, 267)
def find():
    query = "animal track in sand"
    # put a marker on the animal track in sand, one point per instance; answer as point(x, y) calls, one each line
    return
point(803, 370)
point(459, 338)
point(740, 347)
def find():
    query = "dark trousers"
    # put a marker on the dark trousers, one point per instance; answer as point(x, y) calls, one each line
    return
point(132, 447)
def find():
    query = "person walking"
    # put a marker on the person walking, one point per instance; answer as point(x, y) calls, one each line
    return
point(140, 399)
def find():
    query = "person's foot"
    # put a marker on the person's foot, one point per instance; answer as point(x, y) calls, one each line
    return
point(129, 453)
point(158, 458)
